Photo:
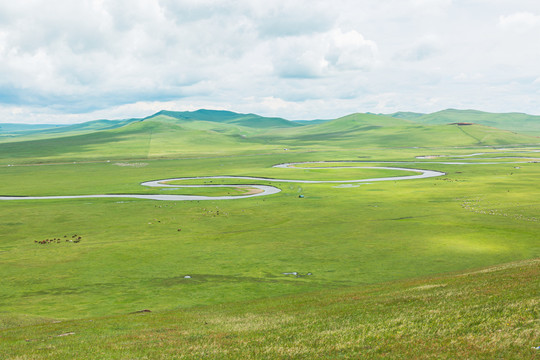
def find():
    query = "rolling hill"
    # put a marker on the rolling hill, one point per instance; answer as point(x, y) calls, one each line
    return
point(206, 132)
point(406, 115)
point(212, 120)
point(360, 130)
point(228, 117)
point(516, 122)
point(153, 137)
point(21, 132)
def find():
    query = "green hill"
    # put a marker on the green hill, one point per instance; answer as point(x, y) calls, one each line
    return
point(406, 115)
point(339, 128)
point(31, 132)
point(95, 125)
point(516, 122)
point(359, 130)
point(154, 137)
point(168, 134)
point(229, 117)
point(202, 125)
point(354, 121)
point(212, 120)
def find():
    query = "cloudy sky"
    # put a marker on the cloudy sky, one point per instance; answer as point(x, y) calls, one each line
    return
point(67, 61)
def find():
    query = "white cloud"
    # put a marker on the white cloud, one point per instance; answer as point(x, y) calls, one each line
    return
point(432, 7)
point(323, 54)
point(300, 57)
point(422, 49)
point(520, 21)
point(351, 51)
point(74, 60)
point(292, 18)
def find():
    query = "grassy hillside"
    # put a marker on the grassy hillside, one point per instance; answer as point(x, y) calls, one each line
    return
point(151, 138)
point(368, 130)
point(201, 125)
point(167, 136)
point(55, 131)
point(516, 122)
point(96, 125)
point(485, 314)
point(215, 120)
point(229, 117)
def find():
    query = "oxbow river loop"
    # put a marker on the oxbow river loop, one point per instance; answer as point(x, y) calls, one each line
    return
point(264, 190)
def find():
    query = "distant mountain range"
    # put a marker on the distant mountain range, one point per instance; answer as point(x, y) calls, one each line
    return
point(516, 122)
point(170, 133)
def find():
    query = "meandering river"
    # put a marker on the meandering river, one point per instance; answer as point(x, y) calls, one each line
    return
point(264, 189)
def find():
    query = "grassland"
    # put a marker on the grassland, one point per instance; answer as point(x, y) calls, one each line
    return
point(517, 122)
point(487, 314)
point(376, 252)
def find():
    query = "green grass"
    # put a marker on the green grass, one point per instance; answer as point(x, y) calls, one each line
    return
point(355, 132)
point(490, 313)
point(131, 250)
point(225, 191)
point(518, 122)
point(367, 246)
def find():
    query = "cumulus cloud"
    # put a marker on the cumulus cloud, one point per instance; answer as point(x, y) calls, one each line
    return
point(351, 51)
point(323, 54)
point(77, 60)
point(93, 50)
